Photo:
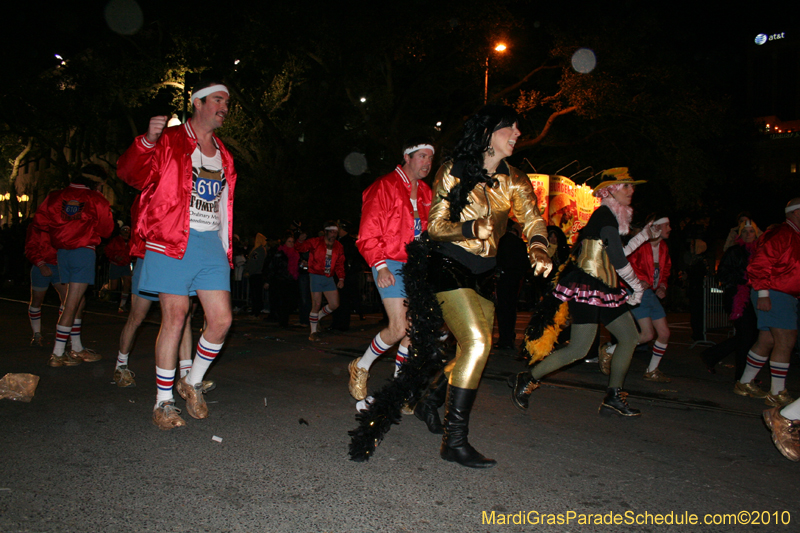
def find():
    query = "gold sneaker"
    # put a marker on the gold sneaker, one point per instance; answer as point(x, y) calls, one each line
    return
point(785, 433)
point(195, 403)
point(657, 376)
point(749, 389)
point(209, 385)
point(781, 399)
point(64, 360)
point(314, 337)
point(86, 355)
point(37, 340)
point(358, 380)
point(124, 377)
point(166, 416)
point(604, 359)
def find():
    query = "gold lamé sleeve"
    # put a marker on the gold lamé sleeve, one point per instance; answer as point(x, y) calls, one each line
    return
point(525, 206)
point(439, 226)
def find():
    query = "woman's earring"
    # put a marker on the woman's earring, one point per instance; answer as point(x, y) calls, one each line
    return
point(490, 151)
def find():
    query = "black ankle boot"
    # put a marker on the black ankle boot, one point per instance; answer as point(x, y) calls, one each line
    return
point(616, 402)
point(456, 428)
point(523, 385)
point(427, 408)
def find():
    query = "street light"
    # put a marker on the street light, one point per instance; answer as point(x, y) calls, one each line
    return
point(501, 47)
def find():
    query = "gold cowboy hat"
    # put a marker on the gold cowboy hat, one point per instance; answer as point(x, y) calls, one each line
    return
point(618, 175)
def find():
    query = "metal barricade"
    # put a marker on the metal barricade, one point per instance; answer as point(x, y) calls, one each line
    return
point(715, 318)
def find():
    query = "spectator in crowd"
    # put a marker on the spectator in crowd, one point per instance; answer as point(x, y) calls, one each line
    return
point(354, 265)
point(253, 271)
point(282, 270)
point(512, 264)
point(732, 276)
point(303, 282)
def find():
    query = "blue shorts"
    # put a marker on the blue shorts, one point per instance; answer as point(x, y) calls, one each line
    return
point(649, 308)
point(322, 283)
point(40, 282)
point(137, 274)
point(398, 290)
point(116, 271)
point(204, 267)
point(783, 314)
point(76, 266)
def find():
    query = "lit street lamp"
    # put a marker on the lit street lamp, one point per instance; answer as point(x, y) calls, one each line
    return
point(499, 48)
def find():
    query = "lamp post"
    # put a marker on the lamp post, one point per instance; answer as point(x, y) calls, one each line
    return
point(501, 47)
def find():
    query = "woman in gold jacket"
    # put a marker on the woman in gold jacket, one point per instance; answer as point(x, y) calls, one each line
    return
point(473, 195)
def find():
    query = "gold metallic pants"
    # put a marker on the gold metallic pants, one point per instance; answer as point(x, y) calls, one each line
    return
point(471, 319)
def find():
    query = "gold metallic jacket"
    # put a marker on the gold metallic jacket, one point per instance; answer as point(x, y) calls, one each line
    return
point(512, 193)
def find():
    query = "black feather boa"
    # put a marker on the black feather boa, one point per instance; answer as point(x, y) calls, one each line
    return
point(425, 357)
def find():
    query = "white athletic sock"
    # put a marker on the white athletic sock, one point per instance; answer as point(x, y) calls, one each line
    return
point(792, 411)
point(313, 319)
point(778, 371)
point(122, 359)
point(610, 348)
point(164, 380)
point(658, 353)
point(325, 312)
point(376, 348)
point(206, 353)
point(75, 336)
point(754, 364)
point(62, 334)
point(400, 358)
point(35, 316)
point(185, 365)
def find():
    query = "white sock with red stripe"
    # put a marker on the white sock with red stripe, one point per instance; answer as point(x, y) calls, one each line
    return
point(376, 349)
point(400, 358)
point(35, 316)
point(124, 300)
point(75, 336)
point(165, 378)
point(62, 334)
point(185, 366)
point(778, 371)
point(325, 312)
point(313, 319)
point(658, 353)
point(206, 353)
point(122, 359)
point(754, 364)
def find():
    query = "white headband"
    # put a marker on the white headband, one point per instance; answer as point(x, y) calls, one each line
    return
point(662, 220)
point(418, 147)
point(331, 228)
point(202, 93)
point(790, 208)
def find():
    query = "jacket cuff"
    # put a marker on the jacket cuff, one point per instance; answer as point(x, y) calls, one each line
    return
point(538, 241)
point(763, 294)
point(380, 265)
point(146, 143)
point(40, 264)
point(467, 229)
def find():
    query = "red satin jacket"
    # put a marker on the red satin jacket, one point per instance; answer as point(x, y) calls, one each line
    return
point(776, 262)
point(387, 217)
point(75, 217)
point(38, 249)
point(316, 257)
point(642, 262)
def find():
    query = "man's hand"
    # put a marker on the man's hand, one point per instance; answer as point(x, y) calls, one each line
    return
point(156, 128)
point(661, 292)
point(45, 270)
point(543, 264)
point(340, 284)
point(764, 304)
point(645, 285)
point(385, 278)
point(483, 228)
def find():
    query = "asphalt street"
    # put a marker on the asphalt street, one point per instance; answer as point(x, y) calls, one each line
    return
point(83, 455)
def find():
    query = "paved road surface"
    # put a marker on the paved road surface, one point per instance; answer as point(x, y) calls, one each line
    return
point(84, 456)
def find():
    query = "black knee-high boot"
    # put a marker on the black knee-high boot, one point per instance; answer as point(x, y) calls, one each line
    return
point(427, 408)
point(456, 428)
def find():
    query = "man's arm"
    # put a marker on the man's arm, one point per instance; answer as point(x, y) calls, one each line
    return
point(136, 166)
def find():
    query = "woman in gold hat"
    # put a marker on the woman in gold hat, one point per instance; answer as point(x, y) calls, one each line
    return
point(591, 288)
